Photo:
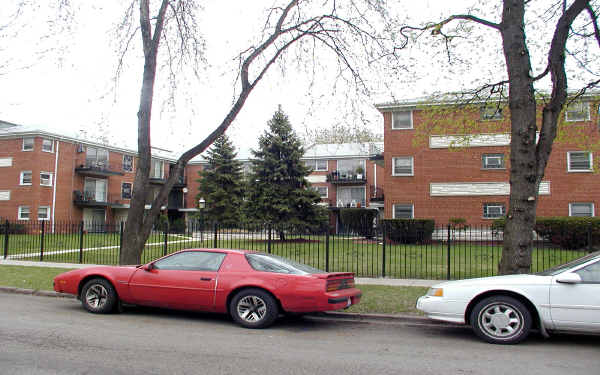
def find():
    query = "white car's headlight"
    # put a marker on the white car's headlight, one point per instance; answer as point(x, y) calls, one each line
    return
point(435, 292)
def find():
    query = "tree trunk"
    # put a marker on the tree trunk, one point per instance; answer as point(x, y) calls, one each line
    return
point(524, 181)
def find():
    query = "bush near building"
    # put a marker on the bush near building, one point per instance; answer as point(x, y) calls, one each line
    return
point(409, 231)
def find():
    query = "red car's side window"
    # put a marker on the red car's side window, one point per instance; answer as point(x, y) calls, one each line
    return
point(192, 261)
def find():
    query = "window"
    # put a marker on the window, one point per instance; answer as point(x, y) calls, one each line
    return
point(402, 166)
point(47, 145)
point(316, 165)
point(157, 169)
point(402, 120)
point(27, 144)
point(94, 190)
point(492, 161)
point(126, 190)
point(579, 161)
point(351, 196)
point(590, 273)
point(127, 163)
point(403, 211)
point(322, 190)
point(44, 213)
point(96, 157)
point(581, 209)
point(493, 210)
point(191, 261)
point(46, 178)
point(349, 167)
point(23, 212)
point(577, 111)
point(490, 113)
point(26, 178)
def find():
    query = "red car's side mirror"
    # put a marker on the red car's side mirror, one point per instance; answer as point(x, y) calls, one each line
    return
point(148, 267)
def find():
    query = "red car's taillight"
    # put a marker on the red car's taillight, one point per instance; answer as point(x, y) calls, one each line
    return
point(338, 284)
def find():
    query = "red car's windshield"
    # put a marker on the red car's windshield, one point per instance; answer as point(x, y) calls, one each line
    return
point(273, 263)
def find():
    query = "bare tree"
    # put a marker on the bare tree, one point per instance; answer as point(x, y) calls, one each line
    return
point(528, 157)
point(298, 27)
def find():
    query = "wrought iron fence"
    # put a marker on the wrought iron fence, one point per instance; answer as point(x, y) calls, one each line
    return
point(445, 253)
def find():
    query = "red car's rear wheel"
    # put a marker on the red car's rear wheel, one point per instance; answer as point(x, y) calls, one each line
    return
point(253, 308)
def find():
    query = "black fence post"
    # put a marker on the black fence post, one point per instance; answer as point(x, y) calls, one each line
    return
point(383, 234)
point(448, 255)
point(589, 238)
point(327, 250)
point(6, 224)
point(42, 240)
point(81, 242)
point(120, 241)
point(165, 240)
point(216, 235)
point(269, 239)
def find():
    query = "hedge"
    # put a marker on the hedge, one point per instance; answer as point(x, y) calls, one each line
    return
point(567, 232)
point(409, 231)
point(358, 220)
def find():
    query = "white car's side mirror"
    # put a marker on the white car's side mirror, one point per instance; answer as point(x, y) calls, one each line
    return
point(568, 278)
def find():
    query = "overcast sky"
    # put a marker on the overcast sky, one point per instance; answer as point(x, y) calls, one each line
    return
point(71, 88)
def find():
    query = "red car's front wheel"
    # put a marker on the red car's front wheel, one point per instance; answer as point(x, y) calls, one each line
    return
point(98, 296)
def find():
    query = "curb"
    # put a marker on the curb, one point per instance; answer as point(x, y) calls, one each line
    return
point(34, 292)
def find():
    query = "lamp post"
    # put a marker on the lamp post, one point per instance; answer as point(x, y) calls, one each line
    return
point(201, 206)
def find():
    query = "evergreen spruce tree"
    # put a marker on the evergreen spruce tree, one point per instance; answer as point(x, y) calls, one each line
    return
point(279, 193)
point(222, 184)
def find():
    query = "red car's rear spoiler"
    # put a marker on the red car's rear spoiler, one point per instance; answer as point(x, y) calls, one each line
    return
point(335, 275)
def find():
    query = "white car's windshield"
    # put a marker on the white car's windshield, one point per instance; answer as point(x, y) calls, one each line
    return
point(574, 263)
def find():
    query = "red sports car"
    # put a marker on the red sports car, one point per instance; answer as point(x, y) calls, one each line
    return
point(252, 287)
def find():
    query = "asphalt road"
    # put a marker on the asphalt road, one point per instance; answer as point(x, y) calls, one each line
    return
point(44, 335)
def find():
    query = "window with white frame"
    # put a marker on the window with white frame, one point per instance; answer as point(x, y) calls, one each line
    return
point(157, 169)
point(28, 144)
point(47, 145)
point(322, 190)
point(128, 163)
point(581, 209)
point(96, 157)
point(351, 196)
point(44, 213)
point(348, 167)
point(579, 161)
point(316, 164)
point(402, 120)
point(491, 112)
point(577, 111)
point(403, 166)
point(94, 189)
point(492, 161)
point(126, 190)
point(493, 210)
point(403, 211)
point(24, 212)
point(46, 178)
point(26, 178)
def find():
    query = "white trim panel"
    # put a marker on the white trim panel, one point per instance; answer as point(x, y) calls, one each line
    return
point(316, 179)
point(479, 140)
point(461, 189)
point(4, 195)
point(5, 162)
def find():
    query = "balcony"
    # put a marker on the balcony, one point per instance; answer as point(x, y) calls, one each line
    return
point(92, 199)
point(346, 178)
point(376, 194)
point(94, 168)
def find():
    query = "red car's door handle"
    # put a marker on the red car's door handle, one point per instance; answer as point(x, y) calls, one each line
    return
point(205, 279)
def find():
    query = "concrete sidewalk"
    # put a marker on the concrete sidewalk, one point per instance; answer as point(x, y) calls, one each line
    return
point(359, 280)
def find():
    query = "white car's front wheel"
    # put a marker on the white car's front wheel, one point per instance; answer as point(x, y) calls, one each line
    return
point(501, 320)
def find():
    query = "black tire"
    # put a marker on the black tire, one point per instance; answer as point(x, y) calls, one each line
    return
point(253, 308)
point(501, 320)
point(98, 296)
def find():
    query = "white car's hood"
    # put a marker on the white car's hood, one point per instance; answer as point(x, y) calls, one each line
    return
point(523, 279)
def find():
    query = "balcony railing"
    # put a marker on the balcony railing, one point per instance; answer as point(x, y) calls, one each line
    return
point(92, 199)
point(99, 168)
point(346, 178)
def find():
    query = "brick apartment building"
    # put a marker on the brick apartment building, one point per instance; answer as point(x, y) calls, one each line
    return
point(426, 178)
point(58, 178)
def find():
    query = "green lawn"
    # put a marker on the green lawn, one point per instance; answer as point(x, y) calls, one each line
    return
point(376, 298)
point(364, 258)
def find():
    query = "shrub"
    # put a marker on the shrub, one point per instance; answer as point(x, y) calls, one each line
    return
point(178, 226)
point(458, 223)
point(409, 231)
point(569, 232)
point(13, 228)
point(162, 223)
point(358, 220)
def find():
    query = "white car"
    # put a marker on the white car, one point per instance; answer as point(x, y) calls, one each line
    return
point(503, 309)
